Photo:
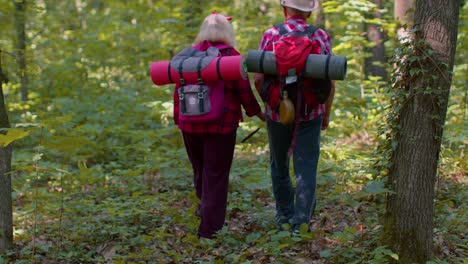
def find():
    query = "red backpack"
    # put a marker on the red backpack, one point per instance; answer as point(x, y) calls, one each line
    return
point(291, 51)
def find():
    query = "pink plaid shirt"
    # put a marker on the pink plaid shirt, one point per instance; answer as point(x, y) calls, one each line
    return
point(271, 35)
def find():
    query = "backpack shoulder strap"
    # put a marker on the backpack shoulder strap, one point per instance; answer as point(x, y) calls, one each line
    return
point(310, 30)
point(226, 47)
point(223, 46)
point(282, 29)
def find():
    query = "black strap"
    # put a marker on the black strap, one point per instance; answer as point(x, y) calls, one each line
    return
point(200, 99)
point(261, 61)
point(218, 68)
point(181, 74)
point(310, 30)
point(169, 72)
point(282, 29)
point(327, 66)
point(182, 83)
point(183, 107)
point(227, 50)
point(200, 81)
point(228, 53)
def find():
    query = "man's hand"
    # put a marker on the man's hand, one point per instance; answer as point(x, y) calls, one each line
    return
point(328, 107)
point(325, 120)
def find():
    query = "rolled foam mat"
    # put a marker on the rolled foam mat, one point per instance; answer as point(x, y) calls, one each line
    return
point(226, 68)
point(317, 66)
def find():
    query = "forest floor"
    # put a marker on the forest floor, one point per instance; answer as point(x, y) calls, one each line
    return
point(127, 217)
point(100, 184)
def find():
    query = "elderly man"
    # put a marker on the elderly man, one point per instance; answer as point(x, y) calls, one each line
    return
point(295, 208)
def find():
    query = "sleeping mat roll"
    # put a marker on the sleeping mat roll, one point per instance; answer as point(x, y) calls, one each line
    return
point(221, 68)
point(317, 66)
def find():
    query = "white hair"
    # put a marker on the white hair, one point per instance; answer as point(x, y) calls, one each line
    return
point(216, 28)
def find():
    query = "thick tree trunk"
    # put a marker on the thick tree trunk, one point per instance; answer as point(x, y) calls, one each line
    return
point(6, 212)
point(404, 15)
point(376, 35)
point(20, 22)
point(401, 10)
point(409, 216)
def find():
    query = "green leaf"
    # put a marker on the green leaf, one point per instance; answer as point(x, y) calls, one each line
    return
point(282, 246)
point(325, 253)
point(66, 143)
point(376, 187)
point(394, 144)
point(252, 237)
point(11, 136)
point(394, 256)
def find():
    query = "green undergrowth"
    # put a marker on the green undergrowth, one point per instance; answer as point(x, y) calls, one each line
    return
point(100, 174)
point(103, 177)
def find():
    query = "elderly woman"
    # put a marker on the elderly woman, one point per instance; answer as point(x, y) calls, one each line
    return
point(210, 145)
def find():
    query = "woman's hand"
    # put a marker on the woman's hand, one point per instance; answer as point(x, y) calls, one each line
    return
point(261, 115)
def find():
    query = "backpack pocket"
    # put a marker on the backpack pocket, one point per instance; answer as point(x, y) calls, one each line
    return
point(201, 103)
point(194, 100)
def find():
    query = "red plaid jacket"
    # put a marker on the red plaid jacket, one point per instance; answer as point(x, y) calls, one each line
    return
point(271, 35)
point(236, 94)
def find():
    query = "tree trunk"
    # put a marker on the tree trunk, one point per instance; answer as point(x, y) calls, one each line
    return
point(6, 211)
point(409, 217)
point(320, 17)
point(376, 35)
point(404, 15)
point(20, 22)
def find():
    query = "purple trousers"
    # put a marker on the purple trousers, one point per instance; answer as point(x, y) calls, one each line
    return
point(211, 157)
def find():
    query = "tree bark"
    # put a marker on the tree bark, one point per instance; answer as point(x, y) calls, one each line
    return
point(408, 227)
point(404, 15)
point(376, 35)
point(20, 22)
point(320, 16)
point(6, 211)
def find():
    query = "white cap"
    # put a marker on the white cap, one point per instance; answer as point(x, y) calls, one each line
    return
point(302, 5)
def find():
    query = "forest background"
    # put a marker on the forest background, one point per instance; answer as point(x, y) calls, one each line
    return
point(99, 171)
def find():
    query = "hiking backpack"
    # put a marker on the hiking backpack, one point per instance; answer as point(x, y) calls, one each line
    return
point(291, 52)
point(200, 101)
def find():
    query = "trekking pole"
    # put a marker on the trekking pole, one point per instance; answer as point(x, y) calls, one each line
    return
point(250, 135)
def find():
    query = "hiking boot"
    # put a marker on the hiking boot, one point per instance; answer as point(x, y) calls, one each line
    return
point(296, 229)
point(282, 223)
point(296, 232)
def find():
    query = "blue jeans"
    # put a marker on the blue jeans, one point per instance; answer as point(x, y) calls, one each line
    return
point(298, 210)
